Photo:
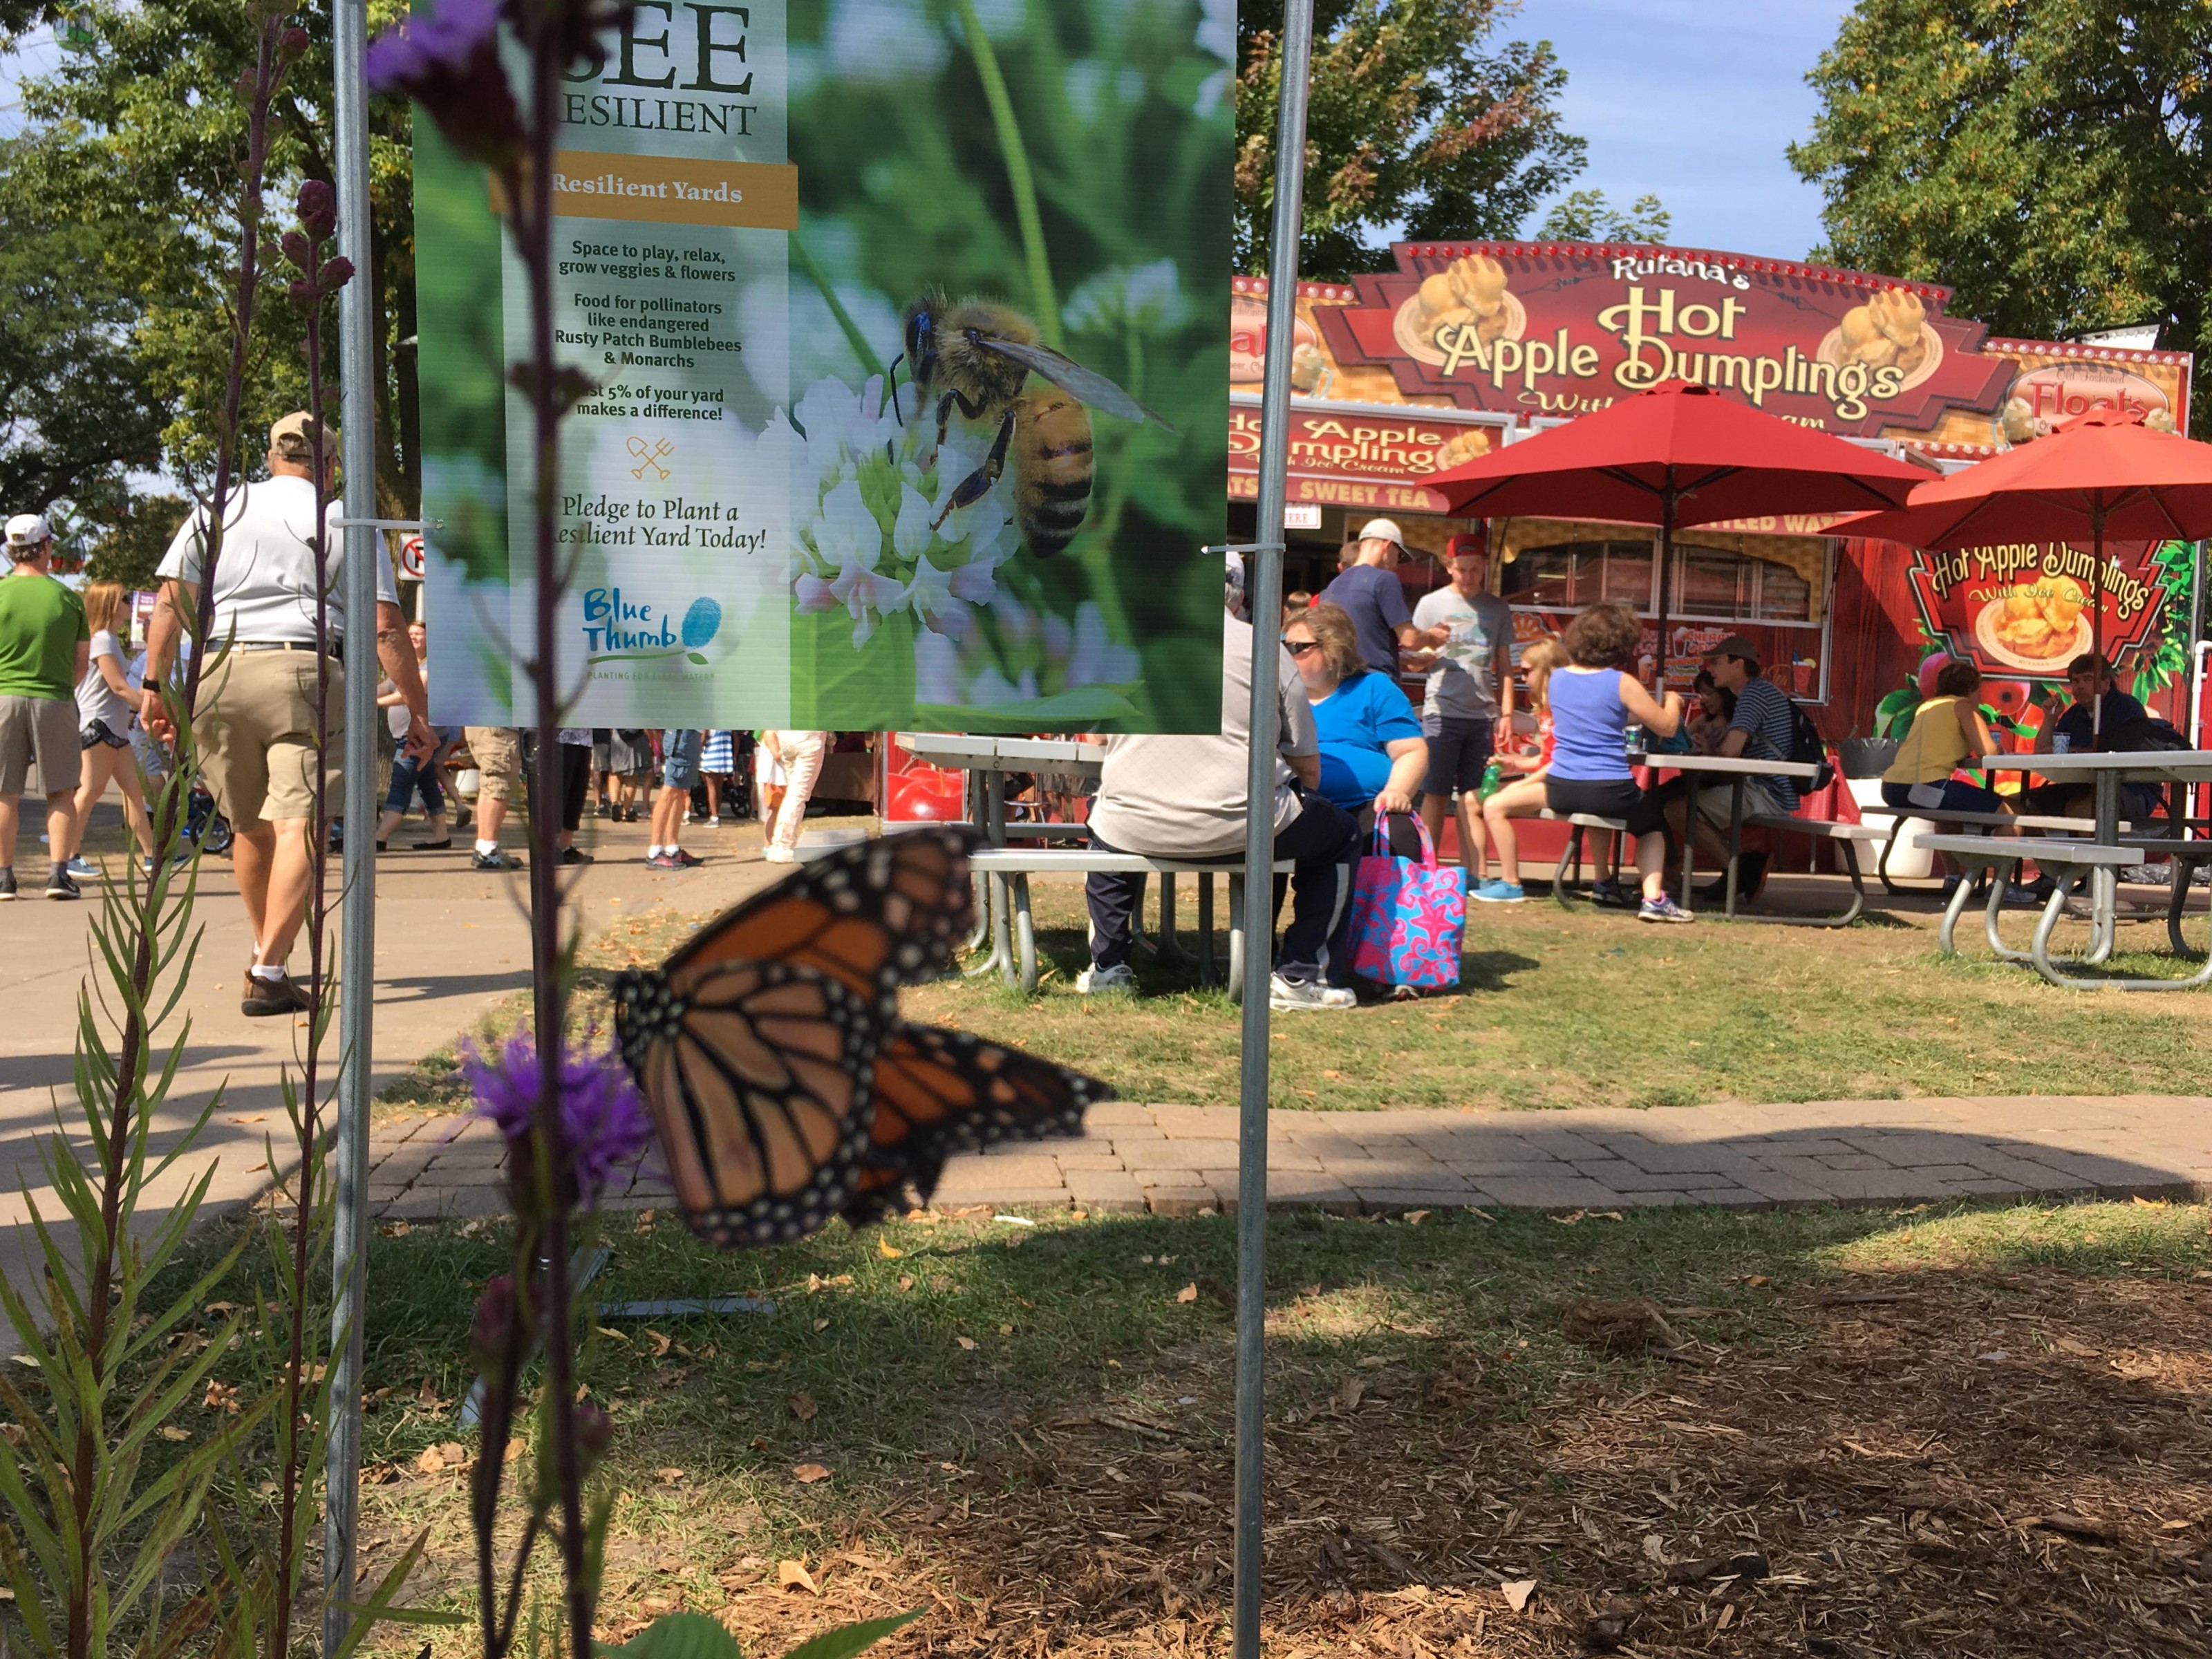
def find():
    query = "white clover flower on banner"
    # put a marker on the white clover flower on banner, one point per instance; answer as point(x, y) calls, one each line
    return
point(876, 528)
point(1025, 657)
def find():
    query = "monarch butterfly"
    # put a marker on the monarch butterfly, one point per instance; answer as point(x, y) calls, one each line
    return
point(782, 1082)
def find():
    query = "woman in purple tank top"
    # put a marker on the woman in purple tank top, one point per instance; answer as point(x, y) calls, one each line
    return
point(1593, 702)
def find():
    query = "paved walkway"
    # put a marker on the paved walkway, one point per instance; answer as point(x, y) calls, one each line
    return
point(450, 942)
point(1179, 1160)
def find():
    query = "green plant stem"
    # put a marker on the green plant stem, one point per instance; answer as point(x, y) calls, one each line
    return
point(853, 337)
point(1042, 299)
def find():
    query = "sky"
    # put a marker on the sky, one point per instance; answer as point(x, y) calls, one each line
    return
point(1693, 102)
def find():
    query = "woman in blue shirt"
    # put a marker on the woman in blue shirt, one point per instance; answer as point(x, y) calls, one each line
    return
point(1371, 748)
point(1373, 756)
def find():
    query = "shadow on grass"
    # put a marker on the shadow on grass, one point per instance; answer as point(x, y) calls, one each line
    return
point(1067, 953)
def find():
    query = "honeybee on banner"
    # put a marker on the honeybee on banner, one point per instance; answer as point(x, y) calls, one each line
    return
point(981, 353)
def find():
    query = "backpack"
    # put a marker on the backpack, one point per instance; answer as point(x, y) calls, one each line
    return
point(1806, 749)
point(2146, 734)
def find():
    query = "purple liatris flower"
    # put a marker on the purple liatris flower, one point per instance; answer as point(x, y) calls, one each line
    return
point(448, 63)
point(603, 1124)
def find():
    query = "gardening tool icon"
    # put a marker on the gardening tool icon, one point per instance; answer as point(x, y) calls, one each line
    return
point(648, 461)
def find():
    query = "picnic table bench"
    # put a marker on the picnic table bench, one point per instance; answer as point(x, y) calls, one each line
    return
point(1993, 852)
point(1014, 945)
point(1938, 815)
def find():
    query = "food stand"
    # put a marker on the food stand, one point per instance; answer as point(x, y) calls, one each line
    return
point(1464, 346)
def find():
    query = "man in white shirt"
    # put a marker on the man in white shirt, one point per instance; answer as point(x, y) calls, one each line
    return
point(1184, 797)
point(254, 730)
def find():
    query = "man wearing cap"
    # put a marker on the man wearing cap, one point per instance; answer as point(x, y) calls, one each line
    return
point(1371, 593)
point(255, 727)
point(1470, 693)
point(1762, 730)
point(45, 644)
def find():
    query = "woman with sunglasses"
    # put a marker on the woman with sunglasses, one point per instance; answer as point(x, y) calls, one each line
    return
point(1373, 756)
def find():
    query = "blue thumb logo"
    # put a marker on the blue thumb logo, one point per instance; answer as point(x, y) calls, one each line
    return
point(702, 623)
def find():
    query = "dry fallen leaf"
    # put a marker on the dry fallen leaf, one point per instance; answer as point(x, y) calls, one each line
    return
point(668, 1477)
point(886, 1249)
point(395, 1230)
point(788, 1573)
point(906, 1281)
point(2067, 1345)
point(967, 1342)
point(661, 1344)
point(807, 1474)
point(802, 1406)
point(171, 1431)
point(644, 1224)
point(1517, 1593)
point(821, 1324)
point(1415, 1217)
point(1188, 1293)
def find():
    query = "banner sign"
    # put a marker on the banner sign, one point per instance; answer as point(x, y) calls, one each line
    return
point(2021, 611)
point(1368, 459)
point(910, 396)
point(1566, 328)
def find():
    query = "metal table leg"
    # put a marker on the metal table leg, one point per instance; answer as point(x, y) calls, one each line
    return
point(1689, 835)
point(1205, 930)
point(1025, 951)
point(1571, 856)
point(1239, 927)
point(1734, 842)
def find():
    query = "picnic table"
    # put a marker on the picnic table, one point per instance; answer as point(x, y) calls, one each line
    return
point(2108, 849)
point(988, 760)
point(1737, 771)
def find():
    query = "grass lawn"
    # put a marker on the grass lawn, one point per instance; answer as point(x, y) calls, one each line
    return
point(1553, 1009)
point(1592, 1009)
point(1960, 1431)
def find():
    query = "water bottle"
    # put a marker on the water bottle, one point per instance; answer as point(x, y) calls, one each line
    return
point(1493, 778)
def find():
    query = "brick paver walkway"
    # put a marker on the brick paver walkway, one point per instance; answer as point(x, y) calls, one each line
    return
point(1177, 1160)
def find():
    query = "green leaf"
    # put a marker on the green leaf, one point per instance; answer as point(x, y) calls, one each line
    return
point(698, 659)
point(849, 1639)
point(683, 1635)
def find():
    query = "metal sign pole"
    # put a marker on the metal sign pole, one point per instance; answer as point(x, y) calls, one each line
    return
point(357, 939)
point(1263, 591)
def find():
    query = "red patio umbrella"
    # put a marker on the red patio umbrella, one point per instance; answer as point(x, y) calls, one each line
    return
point(1677, 455)
point(2101, 474)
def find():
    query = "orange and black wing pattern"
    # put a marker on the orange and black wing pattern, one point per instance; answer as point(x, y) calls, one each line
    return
point(760, 1078)
point(876, 916)
point(939, 1092)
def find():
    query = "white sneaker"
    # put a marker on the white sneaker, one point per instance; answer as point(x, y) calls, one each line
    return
point(773, 853)
point(1119, 977)
point(1291, 994)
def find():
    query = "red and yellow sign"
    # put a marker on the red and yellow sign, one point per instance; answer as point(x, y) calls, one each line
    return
point(1369, 460)
point(2023, 610)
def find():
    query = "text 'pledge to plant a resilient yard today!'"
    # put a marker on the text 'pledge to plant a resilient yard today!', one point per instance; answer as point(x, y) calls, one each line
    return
point(672, 189)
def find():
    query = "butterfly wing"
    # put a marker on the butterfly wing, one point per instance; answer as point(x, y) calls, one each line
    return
point(875, 915)
point(939, 1092)
point(758, 1078)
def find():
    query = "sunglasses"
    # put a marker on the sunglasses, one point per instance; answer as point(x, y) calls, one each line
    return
point(1299, 647)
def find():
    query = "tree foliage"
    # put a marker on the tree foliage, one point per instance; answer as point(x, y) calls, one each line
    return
point(2046, 158)
point(138, 124)
point(1585, 216)
point(76, 414)
point(1418, 124)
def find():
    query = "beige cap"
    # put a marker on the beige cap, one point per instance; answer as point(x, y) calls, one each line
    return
point(293, 438)
point(1382, 530)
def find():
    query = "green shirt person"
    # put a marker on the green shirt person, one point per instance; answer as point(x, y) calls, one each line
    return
point(44, 641)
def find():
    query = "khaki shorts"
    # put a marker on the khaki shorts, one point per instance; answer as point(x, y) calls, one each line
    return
point(42, 729)
point(497, 751)
point(1714, 802)
point(256, 734)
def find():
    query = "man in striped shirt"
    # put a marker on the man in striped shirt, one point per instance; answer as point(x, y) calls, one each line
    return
point(1761, 730)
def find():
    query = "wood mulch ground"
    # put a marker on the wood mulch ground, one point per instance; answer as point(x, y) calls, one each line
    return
point(1980, 1463)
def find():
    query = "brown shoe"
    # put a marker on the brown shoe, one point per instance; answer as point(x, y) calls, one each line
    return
point(266, 997)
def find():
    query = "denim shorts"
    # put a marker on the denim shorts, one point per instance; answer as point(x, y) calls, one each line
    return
point(680, 765)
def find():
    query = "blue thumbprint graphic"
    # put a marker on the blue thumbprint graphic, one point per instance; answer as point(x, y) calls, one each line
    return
point(701, 623)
